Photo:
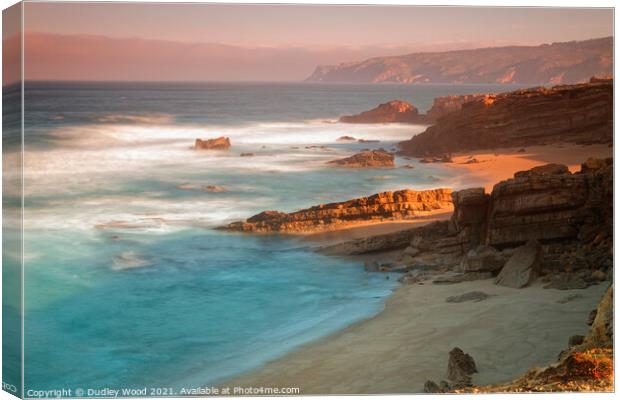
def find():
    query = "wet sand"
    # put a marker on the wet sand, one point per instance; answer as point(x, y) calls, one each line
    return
point(408, 342)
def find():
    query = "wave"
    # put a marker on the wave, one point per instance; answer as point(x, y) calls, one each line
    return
point(146, 119)
point(282, 133)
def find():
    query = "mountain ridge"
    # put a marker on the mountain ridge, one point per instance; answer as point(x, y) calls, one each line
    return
point(555, 63)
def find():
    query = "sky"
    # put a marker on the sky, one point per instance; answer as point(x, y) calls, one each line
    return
point(121, 41)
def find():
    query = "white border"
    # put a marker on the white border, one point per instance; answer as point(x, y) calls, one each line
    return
point(484, 3)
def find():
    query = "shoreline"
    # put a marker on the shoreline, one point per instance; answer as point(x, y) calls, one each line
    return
point(411, 337)
point(412, 345)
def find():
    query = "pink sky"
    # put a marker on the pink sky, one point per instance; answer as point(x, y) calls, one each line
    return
point(116, 41)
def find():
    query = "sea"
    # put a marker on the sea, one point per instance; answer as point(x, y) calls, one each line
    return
point(127, 283)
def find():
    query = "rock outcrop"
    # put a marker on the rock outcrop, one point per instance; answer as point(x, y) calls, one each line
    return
point(367, 159)
point(220, 143)
point(393, 111)
point(404, 112)
point(389, 241)
point(574, 114)
point(545, 223)
point(382, 206)
point(449, 104)
point(461, 366)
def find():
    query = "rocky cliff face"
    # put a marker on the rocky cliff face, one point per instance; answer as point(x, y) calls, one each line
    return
point(568, 62)
point(576, 114)
point(571, 215)
point(388, 205)
point(546, 203)
point(449, 104)
point(544, 223)
point(393, 111)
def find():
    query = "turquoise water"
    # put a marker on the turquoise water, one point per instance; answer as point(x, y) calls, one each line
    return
point(127, 284)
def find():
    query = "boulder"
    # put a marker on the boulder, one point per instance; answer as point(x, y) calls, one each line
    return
point(214, 189)
point(523, 267)
point(460, 366)
point(548, 169)
point(575, 340)
point(431, 387)
point(371, 266)
point(568, 281)
point(366, 159)
point(482, 259)
point(474, 296)
point(411, 251)
point(596, 164)
point(220, 143)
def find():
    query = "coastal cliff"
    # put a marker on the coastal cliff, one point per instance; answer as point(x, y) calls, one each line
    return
point(574, 113)
point(567, 62)
point(403, 112)
point(565, 218)
point(382, 206)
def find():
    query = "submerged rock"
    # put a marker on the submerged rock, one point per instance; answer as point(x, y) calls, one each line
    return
point(130, 260)
point(214, 189)
point(366, 159)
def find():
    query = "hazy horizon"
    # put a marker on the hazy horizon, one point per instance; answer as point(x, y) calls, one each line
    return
point(219, 42)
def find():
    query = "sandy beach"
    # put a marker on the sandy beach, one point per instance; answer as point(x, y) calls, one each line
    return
point(408, 342)
point(500, 164)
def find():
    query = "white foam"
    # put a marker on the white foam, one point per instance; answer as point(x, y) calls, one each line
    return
point(101, 158)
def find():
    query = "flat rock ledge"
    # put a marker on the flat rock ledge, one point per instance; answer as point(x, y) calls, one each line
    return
point(401, 204)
